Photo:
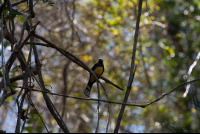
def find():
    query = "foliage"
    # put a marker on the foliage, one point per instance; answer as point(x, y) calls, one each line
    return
point(168, 44)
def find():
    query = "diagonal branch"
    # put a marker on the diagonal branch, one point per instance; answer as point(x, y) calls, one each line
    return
point(132, 67)
point(46, 98)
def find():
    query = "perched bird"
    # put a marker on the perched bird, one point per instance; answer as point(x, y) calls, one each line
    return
point(97, 68)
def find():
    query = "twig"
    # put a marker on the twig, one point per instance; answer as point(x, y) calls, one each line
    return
point(128, 104)
point(37, 113)
point(97, 128)
point(2, 49)
point(13, 25)
point(17, 130)
point(132, 67)
point(108, 120)
point(9, 63)
point(46, 98)
point(17, 3)
point(189, 72)
point(26, 115)
point(145, 69)
point(65, 82)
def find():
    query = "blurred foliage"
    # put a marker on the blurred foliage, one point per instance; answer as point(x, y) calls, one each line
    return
point(168, 44)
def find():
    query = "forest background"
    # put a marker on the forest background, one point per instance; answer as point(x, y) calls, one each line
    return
point(166, 57)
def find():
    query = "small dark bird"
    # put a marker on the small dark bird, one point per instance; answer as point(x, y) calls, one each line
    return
point(97, 68)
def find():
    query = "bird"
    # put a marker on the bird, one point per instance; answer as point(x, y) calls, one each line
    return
point(97, 68)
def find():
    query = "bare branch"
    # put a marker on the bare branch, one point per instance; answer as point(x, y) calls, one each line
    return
point(46, 98)
point(17, 3)
point(132, 67)
point(128, 104)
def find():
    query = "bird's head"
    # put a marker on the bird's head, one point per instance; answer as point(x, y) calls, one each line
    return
point(100, 60)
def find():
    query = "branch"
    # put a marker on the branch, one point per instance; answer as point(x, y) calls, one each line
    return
point(132, 67)
point(31, 103)
point(17, 130)
point(3, 6)
point(10, 61)
point(46, 98)
point(112, 102)
point(17, 3)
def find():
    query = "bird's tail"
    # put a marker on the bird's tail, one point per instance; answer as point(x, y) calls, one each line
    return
point(88, 89)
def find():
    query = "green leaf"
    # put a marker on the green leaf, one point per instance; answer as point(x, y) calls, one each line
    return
point(9, 98)
point(16, 12)
point(5, 10)
point(22, 18)
point(29, 129)
point(33, 79)
point(47, 90)
point(39, 129)
point(6, 43)
point(14, 83)
point(16, 67)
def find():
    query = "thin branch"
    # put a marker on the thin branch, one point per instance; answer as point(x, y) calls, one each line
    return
point(46, 98)
point(2, 50)
point(189, 72)
point(10, 61)
point(97, 128)
point(31, 103)
point(13, 25)
point(145, 69)
point(132, 67)
point(17, 3)
point(17, 130)
point(26, 114)
point(112, 102)
point(65, 76)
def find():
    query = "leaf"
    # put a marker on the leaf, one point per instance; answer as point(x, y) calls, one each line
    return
point(5, 10)
point(16, 12)
point(47, 90)
point(16, 67)
point(85, 57)
point(22, 18)
point(29, 129)
point(6, 43)
point(39, 129)
point(114, 31)
point(33, 79)
point(33, 112)
point(14, 83)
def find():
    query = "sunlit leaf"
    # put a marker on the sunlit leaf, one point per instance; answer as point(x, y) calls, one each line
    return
point(22, 18)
